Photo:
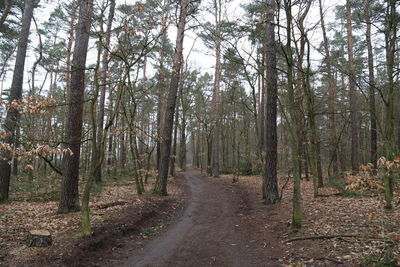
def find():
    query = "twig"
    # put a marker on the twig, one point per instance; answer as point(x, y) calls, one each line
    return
point(329, 237)
point(319, 258)
point(283, 187)
point(329, 259)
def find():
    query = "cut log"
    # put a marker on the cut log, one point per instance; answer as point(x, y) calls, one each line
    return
point(39, 238)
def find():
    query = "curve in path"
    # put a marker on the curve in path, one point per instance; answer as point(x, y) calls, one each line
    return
point(207, 234)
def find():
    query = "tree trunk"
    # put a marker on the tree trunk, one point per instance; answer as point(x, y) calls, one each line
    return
point(390, 120)
point(110, 138)
point(293, 122)
point(315, 142)
point(398, 123)
point(69, 199)
point(161, 183)
point(372, 111)
point(6, 11)
point(161, 83)
point(13, 116)
point(216, 131)
point(300, 89)
point(271, 140)
point(173, 156)
point(122, 145)
point(103, 83)
point(15, 161)
point(353, 97)
point(331, 98)
point(263, 92)
point(182, 143)
point(71, 40)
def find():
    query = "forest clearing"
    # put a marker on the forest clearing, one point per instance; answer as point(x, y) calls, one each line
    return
point(196, 133)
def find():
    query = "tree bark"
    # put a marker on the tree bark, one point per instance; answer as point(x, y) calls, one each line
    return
point(161, 183)
point(271, 140)
point(69, 198)
point(13, 116)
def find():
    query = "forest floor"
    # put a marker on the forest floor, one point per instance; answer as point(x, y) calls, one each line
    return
point(118, 214)
point(207, 221)
point(349, 229)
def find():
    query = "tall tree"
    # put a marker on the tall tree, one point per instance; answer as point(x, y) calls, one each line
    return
point(391, 18)
point(271, 140)
point(216, 131)
point(167, 127)
point(300, 78)
point(315, 142)
point(371, 84)
point(331, 98)
point(69, 196)
point(103, 83)
point(353, 97)
point(161, 78)
point(13, 117)
point(293, 119)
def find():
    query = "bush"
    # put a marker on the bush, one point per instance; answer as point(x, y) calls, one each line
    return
point(245, 168)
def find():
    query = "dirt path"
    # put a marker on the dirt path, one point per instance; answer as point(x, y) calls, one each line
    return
point(208, 233)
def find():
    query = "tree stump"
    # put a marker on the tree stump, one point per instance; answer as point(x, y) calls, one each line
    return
point(39, 238)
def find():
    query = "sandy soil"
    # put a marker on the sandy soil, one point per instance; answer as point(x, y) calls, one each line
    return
point(210, 232)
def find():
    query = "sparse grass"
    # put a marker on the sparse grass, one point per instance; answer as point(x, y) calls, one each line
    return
point(45, 186)
point(383, 259)
point(153, 230)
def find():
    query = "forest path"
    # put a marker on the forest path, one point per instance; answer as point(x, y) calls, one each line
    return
point(208, 233)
